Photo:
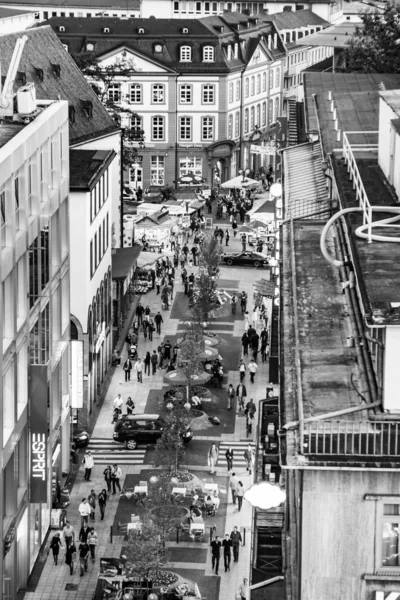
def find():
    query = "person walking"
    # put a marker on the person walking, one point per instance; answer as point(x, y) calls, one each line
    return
point(239, 495)
point(249, 456)
point(158, 320)
point(92, 498)
point(244, 590)
point(255, 339)
point(212, 457)
point(241, 393)
point(108, 476)
point(246, 320)
point(147, 363)
point(242, 370)
point(233, 484)
point(92, 541)
point(89, 464)
point(130, 406)
point(118, 402)
point(158, 284)
point(68, 534)
point(251, 408)
point(139, 369)
point(215, 553)
point(230, 395)
point(70, 557)
point(115, 477)
point(83, 557)
point(243, 301)
point(227, 545)
point(167, 350)
point(139, 313)
point(229, 459)
point(127, 367)
point(252, 369)
point(234, 300)
point(227, 236)
point(236, 538)
point(245, 343)
point(84, 511)
point(154, 361)
point(102, 500)
point(55, 546)
point(84, 532)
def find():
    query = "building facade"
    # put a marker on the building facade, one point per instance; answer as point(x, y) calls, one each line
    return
point(35, 287)
point(90, 268)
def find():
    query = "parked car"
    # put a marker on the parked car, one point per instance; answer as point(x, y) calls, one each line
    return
point(246, 258)
point(132, 430)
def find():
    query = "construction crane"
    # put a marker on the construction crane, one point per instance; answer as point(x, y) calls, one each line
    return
point(6, 92)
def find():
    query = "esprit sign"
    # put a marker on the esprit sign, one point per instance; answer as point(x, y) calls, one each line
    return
point(38, 439)
point(38, 450)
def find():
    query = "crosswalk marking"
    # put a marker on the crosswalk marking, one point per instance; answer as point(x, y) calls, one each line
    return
point(238, 453)
point(108, 452)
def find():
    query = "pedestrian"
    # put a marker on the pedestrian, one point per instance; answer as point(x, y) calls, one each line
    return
point(83, 532)
point(215, 553)
point(167, 350)
point(102, 500)
point(243, 238)
point(212, 457)
point(249, 456)
point(158, 284)
point(55, 546)
point(246, 320)
point(249, 423)
point(144, 328)
point(254, 317)
point(151, 329)
point(130, 406)
point(234, 300)
point(242, 370)
point(115, 477)
point(233, 484)
point(118, 402)
point(139, 313)
point(92, 498)
point(139, 369)
point(127, 367)
point(255, 339)
point(227, 545)
point(250, 408)
point(89, 464)
point(158, 320)
point(245, 343)
point(154, 361)
point(68, 534)
point(147, 363)
point(229, 459)
point(243, 301)
point(108, 476)
point(239, 495)
point(252, 369)
point(234, 227)
point(83, 557)
point(244, 590)
point(70, 557)
point(227, 236)
point(230, 394)
point(92, 541)
point(236, 538)
point(161, 356)
point(241, 393)
point(84, 511)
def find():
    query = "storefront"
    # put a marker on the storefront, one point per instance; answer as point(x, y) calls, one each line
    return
point(219, 157)
point(124, 262)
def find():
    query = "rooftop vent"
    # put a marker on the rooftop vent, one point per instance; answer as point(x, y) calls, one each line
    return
point(61, 28)
point(87, 107)
point(39, 73)
point(140, 30)
point(21, 77)
point(71, 113)
point(106, 30)
point(219, 28)
point(56, 68)
point(184, 30)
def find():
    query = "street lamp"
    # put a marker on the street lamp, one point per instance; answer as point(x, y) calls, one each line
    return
point(245, 173)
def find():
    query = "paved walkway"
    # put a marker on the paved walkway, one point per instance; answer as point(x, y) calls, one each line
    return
point(55, 580)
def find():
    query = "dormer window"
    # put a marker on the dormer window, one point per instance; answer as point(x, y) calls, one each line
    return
point(39, 73)
point(90, 47)
point(185, 54)
point(140, 30)
point(208, 54)
point(229, 52)
point(158, 48)
point(106, 30)
point(61, 28)
point(236, 51)
point(55, 67)
point(185, 30)
point(87, 107)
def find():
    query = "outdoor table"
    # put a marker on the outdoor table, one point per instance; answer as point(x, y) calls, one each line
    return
point(197, 527)
point(211, 487)
point(133, 527)
point(179, 491)
point(141, 489)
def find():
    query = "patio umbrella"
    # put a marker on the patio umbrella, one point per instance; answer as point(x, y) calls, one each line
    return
point(239, 182)
point(209, 354)
point(257, 223)
point(209, 342)
point(179, 378)
point(191, 179)
point(245, 229)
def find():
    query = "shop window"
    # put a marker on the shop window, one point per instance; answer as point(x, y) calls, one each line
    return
point(388, 535)
point(157, 175)
point(190, 164)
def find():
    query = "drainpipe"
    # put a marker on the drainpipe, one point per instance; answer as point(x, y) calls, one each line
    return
point(241, 166)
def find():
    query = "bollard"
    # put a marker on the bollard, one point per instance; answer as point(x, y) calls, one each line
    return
point(243, 535)
point(111, 534)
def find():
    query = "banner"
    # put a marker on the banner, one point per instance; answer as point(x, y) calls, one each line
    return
point(77, 373)
point(39, 471)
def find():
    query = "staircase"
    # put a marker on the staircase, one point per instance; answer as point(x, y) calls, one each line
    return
point(292, 122)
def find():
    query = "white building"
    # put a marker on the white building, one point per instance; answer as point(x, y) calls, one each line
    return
point(34, 362)
point(44, 10)
point(90, 266)
point(389, 137)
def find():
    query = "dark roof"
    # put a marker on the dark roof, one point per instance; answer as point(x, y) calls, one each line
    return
point(42, 49)
point(335, 36)
point(123, 259)
point(296, 19)
point(356, 97)
point(168, 32)
point(87, 166)
point(8, 131)
point(88, 4)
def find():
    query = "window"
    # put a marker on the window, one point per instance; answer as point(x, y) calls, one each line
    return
point(185, 94)
point(230, 127)
point(258, 84)
point(270, 111)
point(207, 128)
point(136, 93)
point(208, 54)
point(238, 90)
point(157, 170)
point(264, 114)
point(264, 82)
point(271, 78)
point(237, 124)
point(157, 128)
point(277, 77)
point(258, 115)
point(186, 54)
point(91, 258)
point(390, 536)
point(252, 88)
point(208, 94)
point(252, 118)
point(157, 94)
point(185, 128)
point(114, 92)
point(231, 92)
point(246, 120)
point(246, 87)
point(277, 107)
point(136, 126)
point(190, 164)
point(236, 50)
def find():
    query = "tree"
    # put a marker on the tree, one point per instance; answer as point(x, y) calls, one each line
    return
point(374, 48)
point(170, 450)
point(144, 551)
point(204, 295)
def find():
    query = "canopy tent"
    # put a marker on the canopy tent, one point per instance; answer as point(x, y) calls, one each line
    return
point(240, 182)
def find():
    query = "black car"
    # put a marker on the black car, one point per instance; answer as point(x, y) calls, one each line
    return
point(132, 430)
point(246, 258)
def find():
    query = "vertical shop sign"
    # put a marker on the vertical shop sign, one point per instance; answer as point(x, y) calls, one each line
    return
point(76, 373)
point(38, 433)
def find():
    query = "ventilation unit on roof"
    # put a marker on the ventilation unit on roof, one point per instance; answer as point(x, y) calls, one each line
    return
point(39, 73)
point(21, 77)
point(87, 107)
point(56, 69)
point(26, 99)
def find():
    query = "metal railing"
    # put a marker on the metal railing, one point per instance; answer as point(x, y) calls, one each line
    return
point(348, 153)
point(352, 438)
